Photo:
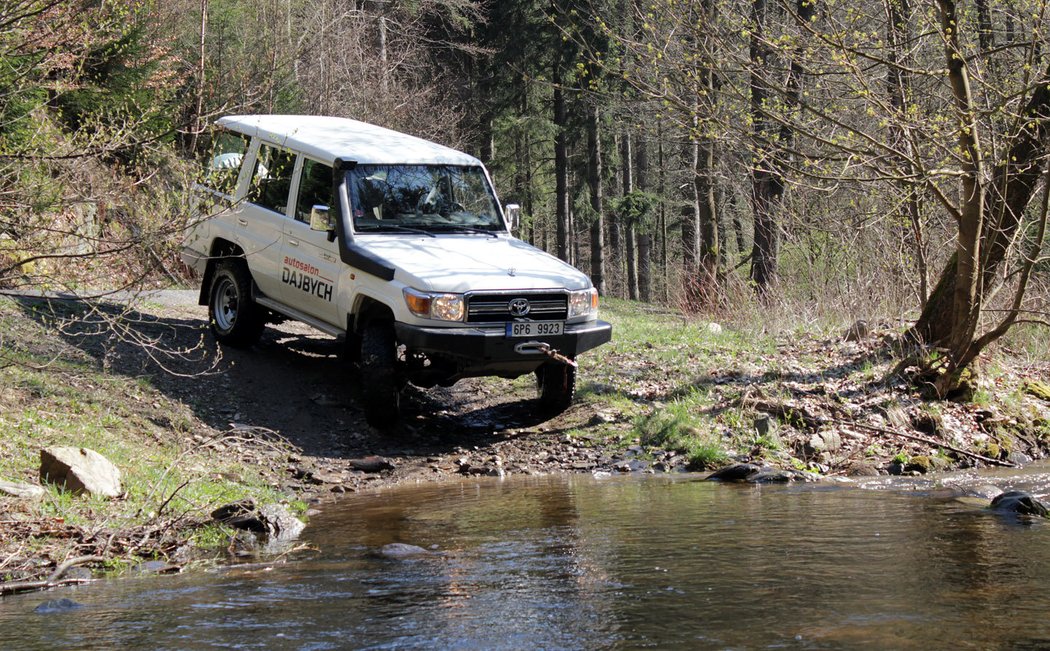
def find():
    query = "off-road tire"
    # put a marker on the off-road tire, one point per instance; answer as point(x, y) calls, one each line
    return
point(235, 319)
point(556, 383)
point(380, 377)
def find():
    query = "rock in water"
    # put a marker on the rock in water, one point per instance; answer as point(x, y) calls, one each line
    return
point(1019, 502)
point(735, 472)
point(80, 470)
point(402, 550)
point(280, 524)
point(57, 606)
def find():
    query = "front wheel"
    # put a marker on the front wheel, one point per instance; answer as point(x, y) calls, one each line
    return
point(380, 378)
point(234, 317)
point(556, 383)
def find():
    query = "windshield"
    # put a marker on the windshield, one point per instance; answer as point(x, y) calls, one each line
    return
point(431, 198)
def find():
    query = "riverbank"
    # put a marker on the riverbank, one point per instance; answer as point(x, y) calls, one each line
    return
point(194, 427)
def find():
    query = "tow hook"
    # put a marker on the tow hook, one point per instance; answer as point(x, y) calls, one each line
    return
point(541, 348)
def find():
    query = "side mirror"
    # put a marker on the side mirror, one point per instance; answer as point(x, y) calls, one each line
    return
point(320, 219)
point(513, 214)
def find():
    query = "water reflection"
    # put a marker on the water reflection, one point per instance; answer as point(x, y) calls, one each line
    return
point(571, 562)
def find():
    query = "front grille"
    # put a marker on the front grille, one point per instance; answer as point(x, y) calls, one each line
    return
point(496, 307)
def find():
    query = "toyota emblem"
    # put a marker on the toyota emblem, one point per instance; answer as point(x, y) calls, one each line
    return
point(519, 307)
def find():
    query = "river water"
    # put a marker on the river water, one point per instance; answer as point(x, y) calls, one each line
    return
point(574, 562)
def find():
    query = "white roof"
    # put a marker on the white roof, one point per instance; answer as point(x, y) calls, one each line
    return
point(328, 138)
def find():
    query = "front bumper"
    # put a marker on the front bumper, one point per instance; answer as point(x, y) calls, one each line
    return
point(491, 346)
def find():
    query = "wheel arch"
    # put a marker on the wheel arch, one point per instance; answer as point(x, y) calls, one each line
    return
point(220, 248)
point(367, 310)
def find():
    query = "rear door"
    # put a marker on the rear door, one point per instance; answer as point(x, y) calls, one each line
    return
point(264, 213)
point(310, 265)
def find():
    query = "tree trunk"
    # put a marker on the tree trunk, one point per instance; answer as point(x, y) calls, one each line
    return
point(765, 186)
point(1012, 187)
point(644, 237)
point(710, 253)
point(645, 282)
point(198, 116)
point(691, 224)
point(594, 180)
point(772, 150)
point(561, 165)
point(631, 238)
point(899, 87)
point(629, 226)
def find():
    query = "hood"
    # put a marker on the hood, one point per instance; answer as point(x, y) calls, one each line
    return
point(459, 263)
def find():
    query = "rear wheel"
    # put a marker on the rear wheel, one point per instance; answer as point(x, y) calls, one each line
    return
point(380, 376)
point(556, 383)
point(234, 317)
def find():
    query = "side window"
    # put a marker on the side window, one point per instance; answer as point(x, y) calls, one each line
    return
point(224, 162)
point(315, 189)
point(272, 179)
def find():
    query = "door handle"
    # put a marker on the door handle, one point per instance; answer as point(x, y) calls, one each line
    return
point(293, 242)
point(242, 221)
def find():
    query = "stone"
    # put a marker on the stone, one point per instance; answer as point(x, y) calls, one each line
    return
point(402, 550)
point(826, 441)
point(371, 463)
point(275, 521)
point(1019, 502)
point(857, 331)
point(735, 472)
point(78, 574)
point(924, 464)
point(1019, 458)
point(80, 470)
point(156, 567)
point(27, 491)
point(279, 522)
point(772, 476)
point(239, 515)
point(862, 469)
point(57, 606)
point(714, 328)
point(1038, 389)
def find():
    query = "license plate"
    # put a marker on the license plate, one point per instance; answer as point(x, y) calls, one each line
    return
point(535, 328)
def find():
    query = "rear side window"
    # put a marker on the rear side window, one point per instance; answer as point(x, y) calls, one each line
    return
point(315, 189)
point(224, 162)
point(272, 179)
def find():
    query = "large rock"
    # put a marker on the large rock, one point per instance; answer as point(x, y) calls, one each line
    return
point(1019, 502)
point(271, 520)
point(80, 470)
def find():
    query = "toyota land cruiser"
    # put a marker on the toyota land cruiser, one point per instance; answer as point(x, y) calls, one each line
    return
point(396, 245)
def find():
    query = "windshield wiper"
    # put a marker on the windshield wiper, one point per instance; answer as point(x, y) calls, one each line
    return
point(462, 227)
point(398, 228)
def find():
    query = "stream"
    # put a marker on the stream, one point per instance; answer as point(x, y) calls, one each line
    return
point(577, 562)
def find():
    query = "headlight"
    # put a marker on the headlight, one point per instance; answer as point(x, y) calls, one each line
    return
point(583, 303)
point(443, 307)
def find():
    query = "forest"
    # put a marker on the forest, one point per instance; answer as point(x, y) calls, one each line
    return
point(809, 161)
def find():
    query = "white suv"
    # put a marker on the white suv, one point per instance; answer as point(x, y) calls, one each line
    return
point(396, 244)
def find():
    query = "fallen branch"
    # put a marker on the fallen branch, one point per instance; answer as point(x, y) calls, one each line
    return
point(15, 587)
point(53, 581)
point(923, 439)
point(800, 416)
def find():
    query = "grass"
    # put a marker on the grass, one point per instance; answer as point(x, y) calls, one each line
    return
point(173, 466)
point(662, 373)
point(676, 428)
